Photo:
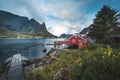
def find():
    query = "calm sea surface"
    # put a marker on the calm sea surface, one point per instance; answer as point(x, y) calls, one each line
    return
point(29, 48)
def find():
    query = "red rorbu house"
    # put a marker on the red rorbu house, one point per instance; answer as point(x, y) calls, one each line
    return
point(74, 42)
point(77, 42)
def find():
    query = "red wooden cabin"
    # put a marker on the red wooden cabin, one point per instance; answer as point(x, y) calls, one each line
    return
point(74, 42)
point(77, 42)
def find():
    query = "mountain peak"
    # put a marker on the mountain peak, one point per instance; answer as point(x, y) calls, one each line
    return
point(18, 23)
point(32, 19)
point(43, 24)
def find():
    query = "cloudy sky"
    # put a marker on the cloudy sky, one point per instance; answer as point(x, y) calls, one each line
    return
point(60, 16)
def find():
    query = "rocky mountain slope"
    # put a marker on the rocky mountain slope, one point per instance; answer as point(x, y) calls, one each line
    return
point(65, 35)
point(85, 30)
point(16, 23)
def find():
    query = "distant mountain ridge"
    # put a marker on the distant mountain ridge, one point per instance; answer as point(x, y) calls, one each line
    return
point(65, 35)
point(18, 23)
point(85, 30)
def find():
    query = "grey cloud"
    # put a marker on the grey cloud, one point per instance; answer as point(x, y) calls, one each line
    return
point(32, 7)
point(70, 11)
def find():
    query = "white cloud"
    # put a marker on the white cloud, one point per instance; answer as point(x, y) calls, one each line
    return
point(59, 27)
point(28, 8)
point(66, 9)
point(71, 12)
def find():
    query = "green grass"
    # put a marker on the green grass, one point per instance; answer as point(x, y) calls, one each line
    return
point(11, 34)
point(44, 34)
point(90, 63)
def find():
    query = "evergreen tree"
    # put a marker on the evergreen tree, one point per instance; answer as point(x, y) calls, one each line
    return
point(106, 23)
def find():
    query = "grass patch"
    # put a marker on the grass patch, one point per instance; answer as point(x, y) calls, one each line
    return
point(90, 63)
point(12, 34)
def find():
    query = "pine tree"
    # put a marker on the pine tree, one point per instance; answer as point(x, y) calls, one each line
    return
point(106, 23)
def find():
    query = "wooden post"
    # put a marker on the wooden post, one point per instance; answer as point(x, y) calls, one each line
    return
point(44, 62)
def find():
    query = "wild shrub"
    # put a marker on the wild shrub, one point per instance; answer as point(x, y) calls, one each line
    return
point(91, 63)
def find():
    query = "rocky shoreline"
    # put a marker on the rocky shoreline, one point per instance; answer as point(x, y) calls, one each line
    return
point(32, 63)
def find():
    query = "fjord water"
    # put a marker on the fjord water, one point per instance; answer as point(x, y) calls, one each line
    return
point(29, 48)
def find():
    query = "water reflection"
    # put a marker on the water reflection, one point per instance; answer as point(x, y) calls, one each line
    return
point(30, 48)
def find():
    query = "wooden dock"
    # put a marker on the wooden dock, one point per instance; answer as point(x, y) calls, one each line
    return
point(15, 71)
